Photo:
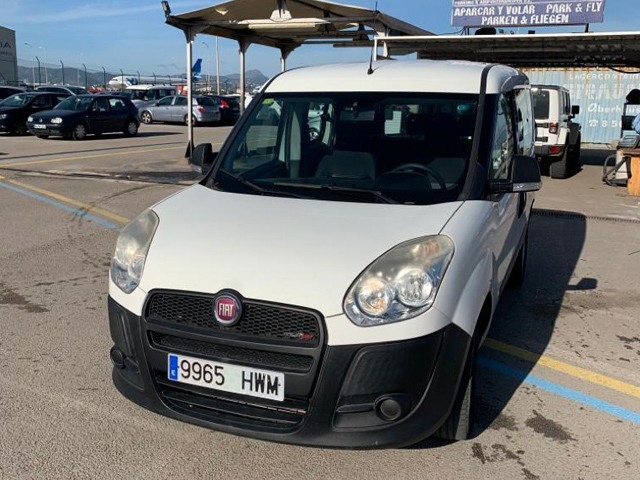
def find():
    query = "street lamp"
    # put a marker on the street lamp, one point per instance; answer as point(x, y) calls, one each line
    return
point(33, 65)
point(46, 70)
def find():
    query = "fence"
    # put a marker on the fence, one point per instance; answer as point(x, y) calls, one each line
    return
point(36, 71)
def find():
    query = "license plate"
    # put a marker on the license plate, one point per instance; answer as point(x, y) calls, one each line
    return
point(226, 377)
point(39, 126)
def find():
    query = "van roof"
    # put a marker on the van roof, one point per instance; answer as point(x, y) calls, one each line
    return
point(396, 76)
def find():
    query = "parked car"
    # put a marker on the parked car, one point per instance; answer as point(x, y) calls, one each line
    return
point(82, 115)
point(335, 291)
point(15, 110)
point(229, 108)
point(174, 109)
point(69, 89)
point(146, 95)
point(8, 91)
point(558, 136)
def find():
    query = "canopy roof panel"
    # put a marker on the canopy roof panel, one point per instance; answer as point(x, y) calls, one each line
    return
point(290, 23)
point(597, 49)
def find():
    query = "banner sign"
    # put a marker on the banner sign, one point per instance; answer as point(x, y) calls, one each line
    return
point(525, 13)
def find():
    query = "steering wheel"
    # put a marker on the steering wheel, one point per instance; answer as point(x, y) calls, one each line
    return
point(421, 169)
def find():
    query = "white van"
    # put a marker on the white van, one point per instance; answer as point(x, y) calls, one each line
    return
point(145, 95)
point(331, 285)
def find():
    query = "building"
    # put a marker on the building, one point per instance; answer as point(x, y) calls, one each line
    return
point(8, 57)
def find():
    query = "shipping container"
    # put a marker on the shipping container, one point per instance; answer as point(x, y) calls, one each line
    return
point(600, 92)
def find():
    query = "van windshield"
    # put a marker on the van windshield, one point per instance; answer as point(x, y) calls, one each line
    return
point(363, 147)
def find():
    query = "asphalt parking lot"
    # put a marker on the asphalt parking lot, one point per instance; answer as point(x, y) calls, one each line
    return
point(559, 394)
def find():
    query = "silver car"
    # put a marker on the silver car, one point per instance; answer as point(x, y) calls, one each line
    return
point(174, 109)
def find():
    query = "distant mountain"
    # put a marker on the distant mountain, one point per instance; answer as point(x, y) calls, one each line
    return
point(74, 76)
point(252, 76)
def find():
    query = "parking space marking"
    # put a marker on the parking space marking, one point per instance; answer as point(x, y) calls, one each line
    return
point(50, 201)
point(98, 155)
point(560, 390)
point(572, 370)
point(88, 157)
point(83, 206)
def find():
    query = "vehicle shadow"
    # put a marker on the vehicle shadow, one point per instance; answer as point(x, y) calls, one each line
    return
point(115, 135)
point(526, 317)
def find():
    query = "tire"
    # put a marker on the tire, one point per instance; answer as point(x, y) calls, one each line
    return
point(560, 169)
point(459, 423)
point(194, 120)
point(131, 129)
point(146, 118)
point(79, 132)
point(517, 276)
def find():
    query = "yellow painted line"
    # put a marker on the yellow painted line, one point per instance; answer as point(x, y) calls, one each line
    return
point(76, 203)
point(578, 372)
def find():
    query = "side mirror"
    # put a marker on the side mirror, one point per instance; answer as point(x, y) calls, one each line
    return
point(525, 177)
point(575, 110)
point(202, 158)
point(157, 104)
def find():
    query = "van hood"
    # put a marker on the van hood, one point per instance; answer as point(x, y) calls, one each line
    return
point(286, 250)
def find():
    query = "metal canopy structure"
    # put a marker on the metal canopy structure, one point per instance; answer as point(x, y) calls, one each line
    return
point(285, 25)
point(597, 49)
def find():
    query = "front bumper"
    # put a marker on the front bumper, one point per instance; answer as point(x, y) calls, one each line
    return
point(334, 403)
point(49, 129)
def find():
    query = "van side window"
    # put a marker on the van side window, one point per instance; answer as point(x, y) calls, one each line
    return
point(524, 121)
point(502, 145)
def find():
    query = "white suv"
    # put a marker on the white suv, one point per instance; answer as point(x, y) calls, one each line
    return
point(331, 285)
point(557, 135)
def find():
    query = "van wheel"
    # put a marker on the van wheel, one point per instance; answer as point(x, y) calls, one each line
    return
point(560, 169)
point(146, 118)
point(460, 421)
point(79, 132)
point(516, 278)
point(131, 129)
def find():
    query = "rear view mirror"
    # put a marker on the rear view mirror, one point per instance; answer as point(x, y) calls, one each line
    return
point(575, 110)
point(525, 177)
point(202, 158)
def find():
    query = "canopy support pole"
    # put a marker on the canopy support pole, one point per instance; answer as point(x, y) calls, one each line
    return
point(243, 45)
point(284, 54)
point(190, 34)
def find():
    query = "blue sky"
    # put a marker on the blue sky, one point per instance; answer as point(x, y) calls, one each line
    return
point(132, 35)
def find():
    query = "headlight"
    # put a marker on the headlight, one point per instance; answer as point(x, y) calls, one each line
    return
point(401, 284)
point(30, 119)
point(131, 251)
point(56, 120)
point(3, 116)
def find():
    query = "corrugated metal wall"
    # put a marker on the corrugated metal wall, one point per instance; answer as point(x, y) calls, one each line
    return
point(600, 93)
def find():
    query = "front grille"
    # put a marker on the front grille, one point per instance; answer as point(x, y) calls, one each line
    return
point(260, 358)
point(259, 321)
point(243, 412)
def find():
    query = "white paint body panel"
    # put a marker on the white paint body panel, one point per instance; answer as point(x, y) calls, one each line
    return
point(393, 76)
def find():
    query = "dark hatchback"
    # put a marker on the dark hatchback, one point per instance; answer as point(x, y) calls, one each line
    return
point(16, 109)
point(83, 115)
point(229, 108)
point(8, 91)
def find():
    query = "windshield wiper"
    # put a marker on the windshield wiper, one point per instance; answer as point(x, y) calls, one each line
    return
point(258, 189)
point(336, 188)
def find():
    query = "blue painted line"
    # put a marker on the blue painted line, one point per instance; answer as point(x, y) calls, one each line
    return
point(62, 206)
point(561, 391)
